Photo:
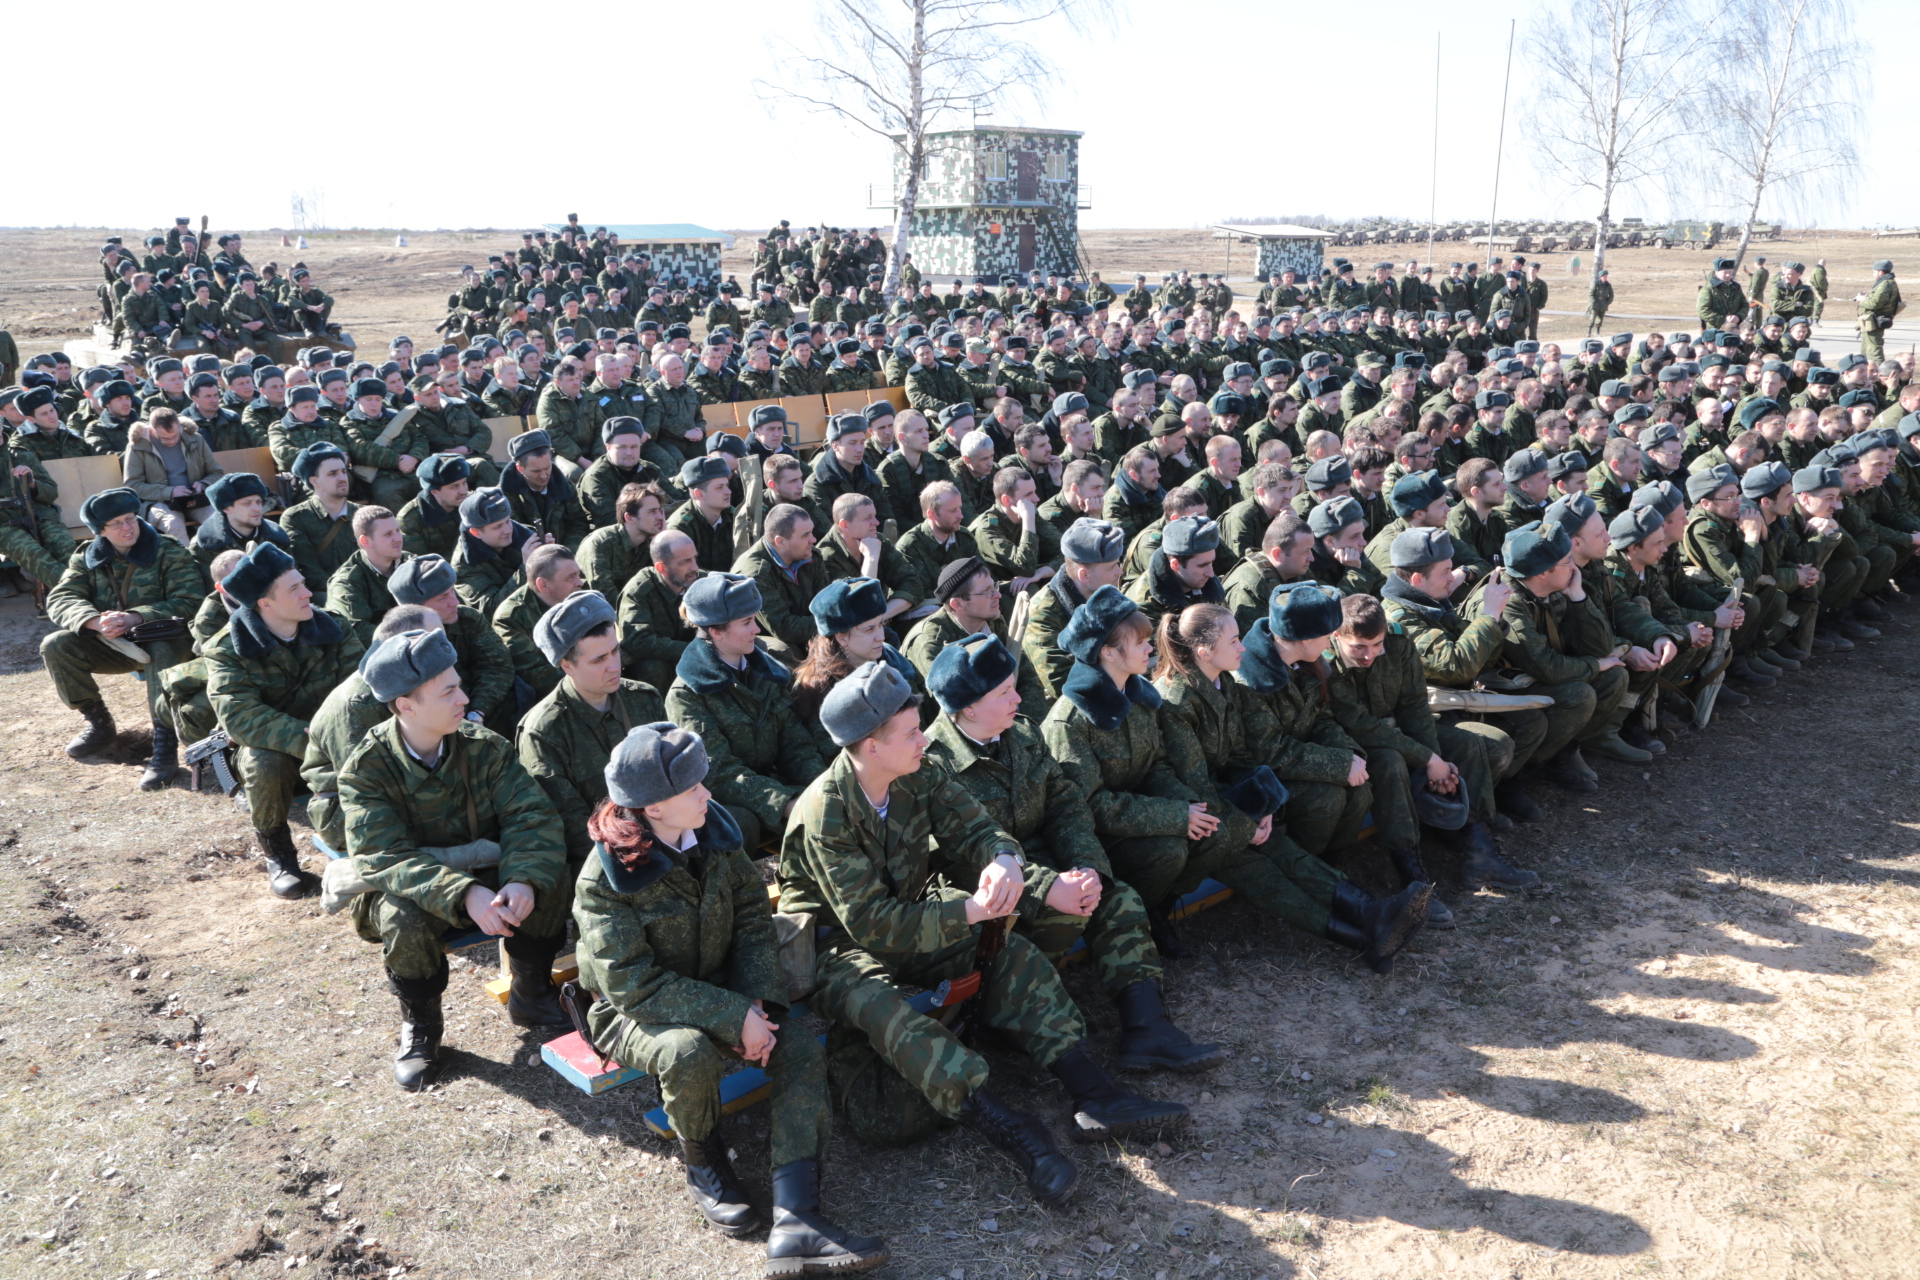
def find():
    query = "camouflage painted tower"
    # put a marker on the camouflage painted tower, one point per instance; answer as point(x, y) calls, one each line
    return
point(995, 201)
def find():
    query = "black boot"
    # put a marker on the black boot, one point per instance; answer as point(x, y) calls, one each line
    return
point(803, 1239)
point(165, 760)
point(1516, 803)
point(284, 875)
point(711, 1183)
point(1562, 772)
point(531, 998)
point(1051, 1174)
point(1165, 940)
point(1386, 924)
point(98, 733)
point(1102, 1109)
point(420, 1027)
point(1148, 1039)
point(1486, 868)
point(1407, 863)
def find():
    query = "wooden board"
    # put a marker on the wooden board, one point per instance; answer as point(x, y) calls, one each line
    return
point(79, 479)
point(896, 394)
point(721, 418)
point(504, 429)
point(743, 410)
point(258, 461)
point(806, 419)
point(851, 401)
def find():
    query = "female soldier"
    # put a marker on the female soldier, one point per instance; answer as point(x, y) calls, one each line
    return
point(850, 615)
point(676, 939)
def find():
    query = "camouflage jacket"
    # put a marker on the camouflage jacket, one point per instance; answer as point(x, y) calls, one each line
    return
point(357, 594)
point(785, 592)
point(652, 633)
point(286, 436)
point(900, 487)
point(513, 621)
point(1010, 549)
point(600, 487)
point(336, 732)
point(894, 888)
point(1110, 746)
point(828, 481)
point(320, 543)
point(216, 535)
point(759, 754)
point(1453, 649)
point(671, 411)
point(571, 422)
point(1384, 707)
point(1211, 736)
point(1312, 746)
point(156, 579)
point(363, 434)
point(556, 512)
point(1047, 612)
point(265, 689)
point(896, 574)
point(564, 745)
point(484, 576)
point(609, 560)
point(394, 807)
point(1555, 640)
point(429, 528)
point(940, 628)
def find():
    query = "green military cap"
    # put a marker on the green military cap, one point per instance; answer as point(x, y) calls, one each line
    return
point(1755, 410)
point(1765, 478)
point(1416, 491)
point(1771, 320)
point(1329, 518)
point(1908, 426)
point(1662, 495)
point(1634, 526)
point(1569, 514)
point(1565, 463)
point(1522, 464)
point(1674, 373)
point(1535, 548)
point(1371, 360)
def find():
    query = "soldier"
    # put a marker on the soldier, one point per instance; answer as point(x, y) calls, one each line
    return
point(453, 428)
point(841, 467)
point(488, 559)
point(1017, 546)
point(906, 472)
point(1721, 300)
point(600, 486)
point(42, 435)
point(539, 495)
point(239, 501)
point(610, 557)
point(32, 533)
point(450, 833)
point(729, 689)
point(853, 548)
point(1181, 571)
point(380, 439)
point(783, 566)
point(429, 523)
point(1339, 528)
point(903, 928)
point(653, 632)
point(314, 526)
point(969, 601)
point(358, 587)
point(1878, 306)
point(681, 996)
point(267, 672)
point(127, 576)
point(552, 574)
point(981, 743)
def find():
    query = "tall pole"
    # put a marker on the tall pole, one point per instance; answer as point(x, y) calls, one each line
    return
point(1513, 25)
point(1433, 185)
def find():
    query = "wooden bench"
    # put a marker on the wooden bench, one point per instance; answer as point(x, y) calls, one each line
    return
point(81, 478)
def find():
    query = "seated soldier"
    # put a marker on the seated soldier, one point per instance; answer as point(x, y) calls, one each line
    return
point(314, 525)
point(126, 576)
point(358, 589)
point(729, 690)
point(853, 548)
point(1453, 653)
point(969, 602)
point(303, 425)
point(1083, 487)
point(683, 996)
point(485, 666)
point(1246, 522)
point(1419, 501)
point(1284, 554)
point(267, 673)
point(341, 724)
point(1339, 557)
point(610, 556)
point(185, 683)
point(906, 472)
point(453, 428)
point(489, 559)
point(782, 565)
point(1475, 524)
point(43, 435)
point(538, 495)
point(392, 444)
point(32, 533)
point(566, 739)
point(1816, 496)
point(878, 852)
point(1179, 502)
point(1585, 681)
point(972, 469)
point(1726, 540)
point(1090, 553)
point(1180, 572)
point(430, 522)
point(980, 742)
point(940, 538)
point(707, 517)
point(841, 467)
point(1379, 696)
point(1019, 548)
point(619, 467)
point(653, 630)
point(451, 834)
point(552, 575)
point(848, 617)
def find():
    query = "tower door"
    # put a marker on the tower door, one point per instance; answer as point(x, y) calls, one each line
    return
point(1026, 246)
point(1026, 175)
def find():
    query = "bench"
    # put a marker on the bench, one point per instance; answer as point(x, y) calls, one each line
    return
point(81, 478)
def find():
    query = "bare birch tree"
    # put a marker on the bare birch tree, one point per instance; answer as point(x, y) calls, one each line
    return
point(1614, 88)
point(903, 69)
point(1785, 102)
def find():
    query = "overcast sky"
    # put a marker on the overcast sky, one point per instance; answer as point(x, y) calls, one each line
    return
point(447, 116)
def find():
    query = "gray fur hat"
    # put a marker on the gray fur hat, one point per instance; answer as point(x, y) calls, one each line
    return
point(655, 762)
point(420, 579)
point(400, 664)
point(561, 627)
point(1090, 540)
point(867, 698)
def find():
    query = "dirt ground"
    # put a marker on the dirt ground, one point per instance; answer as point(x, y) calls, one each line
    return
point(1689, 1056)
point(48, 277)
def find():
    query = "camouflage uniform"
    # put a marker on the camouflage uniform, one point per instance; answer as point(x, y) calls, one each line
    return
point(359, 594)
point(900, 487)
point(600, 485)
point(390, 488)
point(652, 633)
point(1559, 642)
point(1313, 753)
point(940, 628)
point(395, 808)
point(264, 691)
point(513, 621)
point(286, 437)
point(1009, 548)
point(894, 908)
point(556, 512)
point(572, 423)
point(712, 543)
point(156, 580)
point(319, 543)
point(1047, 612)
point(45, 557)
point(485, 575)
point(1026, 793)
point(759, 755)
point(455, 424)
point(609, 559)
point(786, 624)
point(429, 528)
point(338, 728)
point(896, 574)
point(678, 949)
point(564, 745)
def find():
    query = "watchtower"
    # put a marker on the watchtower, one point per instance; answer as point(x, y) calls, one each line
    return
point(996, 201)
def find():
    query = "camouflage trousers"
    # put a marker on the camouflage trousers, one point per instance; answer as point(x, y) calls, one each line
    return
point(1116, 936)
point(74, 658)
point(410, 935)
point(1766, 607)
point(689, 1065)
point(1391, 778)
point(1323, 816)
point(1873, 344)
point(1024, 999)
point(185, 687)
point(392, 490)
point(1840, 584)
point(1573, 708)
point(44, 557)
point(1278, 877)
point(1505, 741)
point(272, 780)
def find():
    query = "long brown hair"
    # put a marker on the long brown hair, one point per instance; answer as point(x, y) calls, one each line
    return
point(825, 665)
point(1194, 627)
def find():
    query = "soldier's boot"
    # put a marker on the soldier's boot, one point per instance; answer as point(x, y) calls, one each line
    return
point(1407, 863)
point(1051, 1173)
point(1382, 926)
point(532, 1000)
point(1843, 625)
point(1165, 940)
point(1636, 734)
point(98, 733)
point(1485, 867)
point(713, 1186)
point(421, 1027)
point(1743, 670)
point(284, 875)
point(1563, 773)
point(165, 760)
point(1102, 1109)
point(803, 1239)
point(1516, 803)
point(1867, 609)
point(1611, 745)
point(1148, 1038)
